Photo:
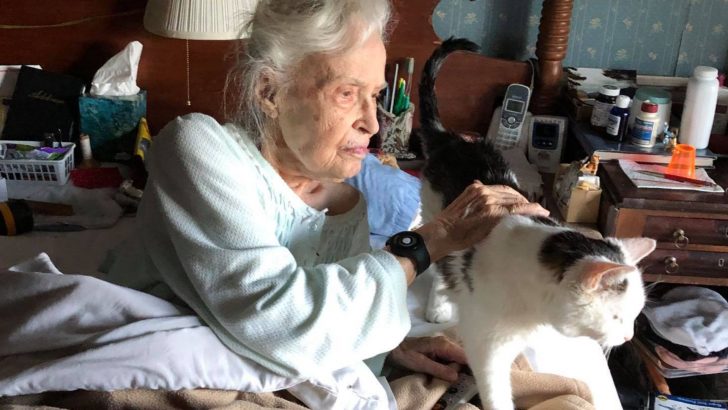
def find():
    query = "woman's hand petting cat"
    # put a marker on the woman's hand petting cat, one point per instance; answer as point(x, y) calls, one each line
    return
point(430, 355)
point(472, 215)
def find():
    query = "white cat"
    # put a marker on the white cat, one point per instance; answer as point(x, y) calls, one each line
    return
point(529, 271)
point(527, 274)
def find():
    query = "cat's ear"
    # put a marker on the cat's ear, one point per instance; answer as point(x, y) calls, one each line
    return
point(597, 273)
point(638, 248)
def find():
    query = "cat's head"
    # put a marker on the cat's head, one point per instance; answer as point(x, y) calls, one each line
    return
point(605, 287)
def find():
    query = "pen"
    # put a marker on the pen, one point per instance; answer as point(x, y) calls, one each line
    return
point(677, 178)
point(410, 70)
point(393, 95)
point(385, 97)
point(401, 98)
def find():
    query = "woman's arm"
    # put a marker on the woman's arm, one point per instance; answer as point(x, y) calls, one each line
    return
point(211, 234)
point(469, 219)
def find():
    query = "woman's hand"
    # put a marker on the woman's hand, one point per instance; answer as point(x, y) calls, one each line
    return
point(472, 215)
point(429, 355)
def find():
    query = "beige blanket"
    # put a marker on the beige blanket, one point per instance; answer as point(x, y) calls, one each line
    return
point(533, 391)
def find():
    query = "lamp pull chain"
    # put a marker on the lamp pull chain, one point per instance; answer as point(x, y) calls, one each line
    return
point(187, 46)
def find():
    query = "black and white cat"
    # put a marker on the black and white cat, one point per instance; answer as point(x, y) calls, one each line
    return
point(529, 271)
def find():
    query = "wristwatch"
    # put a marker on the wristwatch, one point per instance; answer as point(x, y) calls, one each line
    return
point(410, 245)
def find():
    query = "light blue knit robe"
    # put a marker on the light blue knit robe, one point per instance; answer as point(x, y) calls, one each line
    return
point(279, 282)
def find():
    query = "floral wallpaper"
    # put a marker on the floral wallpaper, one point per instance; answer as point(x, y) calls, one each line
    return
point(656, 37)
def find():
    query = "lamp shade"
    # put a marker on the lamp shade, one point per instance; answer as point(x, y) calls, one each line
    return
point(198, 19)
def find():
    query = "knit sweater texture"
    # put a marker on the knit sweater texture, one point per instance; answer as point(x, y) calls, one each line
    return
point(279, 282)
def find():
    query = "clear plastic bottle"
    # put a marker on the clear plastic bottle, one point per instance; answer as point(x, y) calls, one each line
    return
point(88, 160)
point(699, 108)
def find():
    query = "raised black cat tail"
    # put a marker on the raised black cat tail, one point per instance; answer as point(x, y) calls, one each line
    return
point(429, 114)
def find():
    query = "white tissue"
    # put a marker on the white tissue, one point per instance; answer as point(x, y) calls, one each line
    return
point(118, 75)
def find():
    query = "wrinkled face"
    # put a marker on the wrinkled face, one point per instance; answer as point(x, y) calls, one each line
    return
point(328, 114)
point(609, 317)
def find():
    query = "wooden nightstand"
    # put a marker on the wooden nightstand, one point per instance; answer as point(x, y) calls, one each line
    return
point(691, 227)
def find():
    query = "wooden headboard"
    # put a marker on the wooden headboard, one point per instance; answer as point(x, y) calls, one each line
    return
point(467, 87)
point(470, 84)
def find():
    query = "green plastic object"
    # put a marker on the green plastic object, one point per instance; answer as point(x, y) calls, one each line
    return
point(654, 94)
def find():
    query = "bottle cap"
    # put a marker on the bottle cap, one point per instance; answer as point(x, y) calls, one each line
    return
point(649, 107)
point(622, 101)
point(705, 73)
point(609, 90)
point(654, 94)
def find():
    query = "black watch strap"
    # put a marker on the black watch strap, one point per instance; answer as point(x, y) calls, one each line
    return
point(410, 245)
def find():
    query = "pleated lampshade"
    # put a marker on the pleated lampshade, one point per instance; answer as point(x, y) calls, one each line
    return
point(198, 19)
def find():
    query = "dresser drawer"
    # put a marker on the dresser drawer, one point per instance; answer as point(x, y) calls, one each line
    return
point(686, 263)
point(686, 231)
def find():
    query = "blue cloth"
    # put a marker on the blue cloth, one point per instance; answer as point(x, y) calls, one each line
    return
point(393, 198)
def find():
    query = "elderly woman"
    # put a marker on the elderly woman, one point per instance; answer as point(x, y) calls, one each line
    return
point(251, 225)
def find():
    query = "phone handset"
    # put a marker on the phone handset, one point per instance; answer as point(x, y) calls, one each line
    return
point(509, 125)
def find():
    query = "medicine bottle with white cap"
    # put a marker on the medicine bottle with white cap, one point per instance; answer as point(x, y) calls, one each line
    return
point(644, 131)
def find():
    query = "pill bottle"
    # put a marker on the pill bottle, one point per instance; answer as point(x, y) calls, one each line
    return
point(644, 131)
point(618, 120)
point(659, 96)
point(604, 102)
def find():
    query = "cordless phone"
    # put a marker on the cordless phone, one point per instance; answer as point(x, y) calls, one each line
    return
point(507, 125)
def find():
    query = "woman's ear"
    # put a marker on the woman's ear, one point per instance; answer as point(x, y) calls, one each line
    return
point(265, 91)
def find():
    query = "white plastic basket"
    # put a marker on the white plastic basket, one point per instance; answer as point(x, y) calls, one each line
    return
point(37, 171)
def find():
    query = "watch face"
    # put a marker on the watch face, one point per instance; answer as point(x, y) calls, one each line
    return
point(410, 245)
point(406, 240)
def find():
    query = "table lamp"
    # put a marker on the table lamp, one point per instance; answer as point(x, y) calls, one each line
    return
point(198, 20)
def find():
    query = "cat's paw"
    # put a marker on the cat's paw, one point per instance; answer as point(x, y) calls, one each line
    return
point(442, 313)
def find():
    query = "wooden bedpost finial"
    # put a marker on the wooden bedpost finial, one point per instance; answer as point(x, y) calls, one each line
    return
point(551, 47)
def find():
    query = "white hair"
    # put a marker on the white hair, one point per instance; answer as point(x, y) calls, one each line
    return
point(284, 32)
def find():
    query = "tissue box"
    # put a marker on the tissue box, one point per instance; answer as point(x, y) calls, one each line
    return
point(575, 205)
point(111, 123)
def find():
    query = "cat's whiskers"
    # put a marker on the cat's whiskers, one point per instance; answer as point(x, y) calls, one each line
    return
point(649, 288)
point(607, 351)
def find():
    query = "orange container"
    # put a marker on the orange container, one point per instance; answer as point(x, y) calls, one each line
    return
point(682, 162)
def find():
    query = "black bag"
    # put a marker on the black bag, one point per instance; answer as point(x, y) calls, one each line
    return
point(43, 102)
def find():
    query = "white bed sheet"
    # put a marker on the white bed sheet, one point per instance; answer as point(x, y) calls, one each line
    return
point(74, 252)
point(70, 332)
point(82, 252)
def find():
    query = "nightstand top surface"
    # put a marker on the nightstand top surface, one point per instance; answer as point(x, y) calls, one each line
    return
point(626, 195)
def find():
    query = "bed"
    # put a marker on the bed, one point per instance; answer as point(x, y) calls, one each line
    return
point(82, 252)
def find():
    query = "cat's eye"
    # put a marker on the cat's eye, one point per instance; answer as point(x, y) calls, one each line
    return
point(621, 287)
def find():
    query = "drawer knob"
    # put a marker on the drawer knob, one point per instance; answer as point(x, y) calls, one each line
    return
point(671, 265)
point(681, 240)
